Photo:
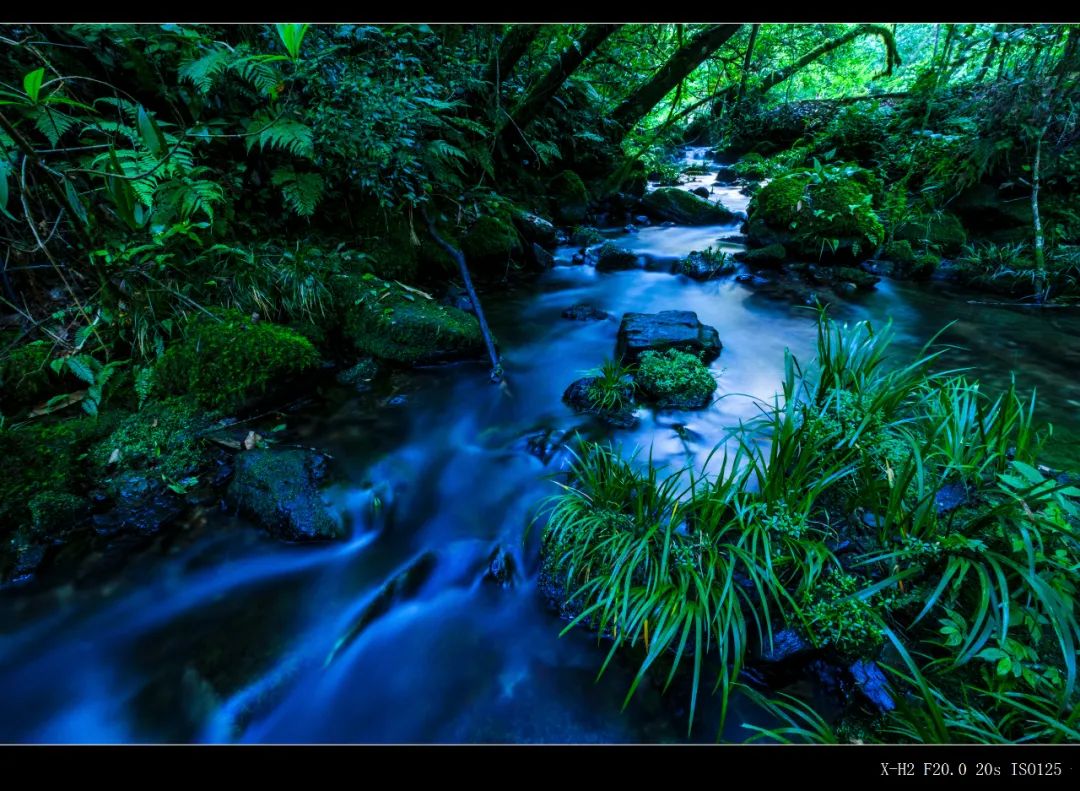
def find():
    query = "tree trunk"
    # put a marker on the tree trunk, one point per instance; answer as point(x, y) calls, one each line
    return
point(1040, 253)
point(677, 68)
point(746, 64)
point(570, 59)
point(513, 47)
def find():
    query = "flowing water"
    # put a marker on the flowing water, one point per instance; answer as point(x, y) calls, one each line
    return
point(216, 632)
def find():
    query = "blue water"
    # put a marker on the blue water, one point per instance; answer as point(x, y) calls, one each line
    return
point(216, 632)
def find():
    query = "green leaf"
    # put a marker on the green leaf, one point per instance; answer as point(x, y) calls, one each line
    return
point(32, 84)
point(75, 201)
point(292, 35)
point(151, 134)
point(80, 366)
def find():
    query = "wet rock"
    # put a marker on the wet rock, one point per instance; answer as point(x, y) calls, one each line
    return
point(544, 444)
point(280, 490)
point(680, 206)
point(641, 219)
point(700, 266)
point(578, 396)
point(535, 229)
point(726, 173)
point(583, 311)
point(586, 236)
point(141, 504)
point(950, 496)
point(457, 297)
point(611, 257)
point(667, 224)
point(502, 568)
point(359, 376)
point(578, 259)
point(787, 644)
point(541, 257)
point(404, 585)
point(733, 238)
point(872, 684)
point(668, 329)
point(702, 192)
point(664, 264)
point(630, 229)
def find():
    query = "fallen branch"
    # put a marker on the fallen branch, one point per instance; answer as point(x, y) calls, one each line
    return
point(453, 252)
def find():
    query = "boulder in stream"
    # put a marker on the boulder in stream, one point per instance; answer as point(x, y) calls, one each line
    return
point(680, 206)
point(585, 397)
point(583, 311)
point(610, 257)
point(668, 329)
point(280, 490)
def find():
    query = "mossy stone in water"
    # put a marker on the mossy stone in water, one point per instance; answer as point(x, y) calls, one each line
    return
point(226, 361)
point(610, 257)
point(680, 206)
point(389, 322)
point(768, 255)
point(809, 215)
point(569, 198)
point(280, 490)
point(491, 243)
point(674, 379)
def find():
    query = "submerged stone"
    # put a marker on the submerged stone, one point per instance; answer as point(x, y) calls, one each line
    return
point(583, 311)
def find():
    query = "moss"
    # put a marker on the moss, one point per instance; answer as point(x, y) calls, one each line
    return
point(491, 242)
point(680, 206)
point(163, 437)
point(224, 363)
point(769, 254)
point(569, 198)
point(585, 236)
point(52, 513)
point(25, 376)
point(751, 167)
point(941, 231)
point(45, 457)
point(386, 321)
point(611, 257)
point(674, 378)
point(849, 274)
point(815, 213)
point(899, 252)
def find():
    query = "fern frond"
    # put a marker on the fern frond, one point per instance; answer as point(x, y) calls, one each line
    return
point(202, 71)
point(301, 191)
point(286, 134)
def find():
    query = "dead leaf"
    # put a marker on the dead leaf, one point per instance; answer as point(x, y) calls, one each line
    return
point(114, 457)
point(251, 441)
point(58, 403)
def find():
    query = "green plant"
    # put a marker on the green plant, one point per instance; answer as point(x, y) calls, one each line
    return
point(674, 376)
point(612, 388)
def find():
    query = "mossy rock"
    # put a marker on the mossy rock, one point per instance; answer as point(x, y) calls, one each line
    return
point(223, 362)
point(25, 376)
point(943, 232)
point(162, 437)
point(585, 236)
point(610, 257)
point(769, 255)
point(280, 490)
point(44, 465)
point(54, 513)
point(684, 208)
point(387, 321)
point(674, 379)
point(569, 198)
point(809, 216)
point(706, 264)
point(535, 229)
point(636, 180)
point(899, 252)
point(490, 244)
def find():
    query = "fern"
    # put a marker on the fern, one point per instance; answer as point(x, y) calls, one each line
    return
point(202, 71)
point(302, 191)
point(51, 123)
point(285, 134)
point(188, 196)
point(264, 77)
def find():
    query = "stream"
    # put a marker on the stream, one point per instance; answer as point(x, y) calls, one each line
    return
point(213, 631)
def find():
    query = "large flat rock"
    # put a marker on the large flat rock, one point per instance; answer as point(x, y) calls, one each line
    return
point(668, 329)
